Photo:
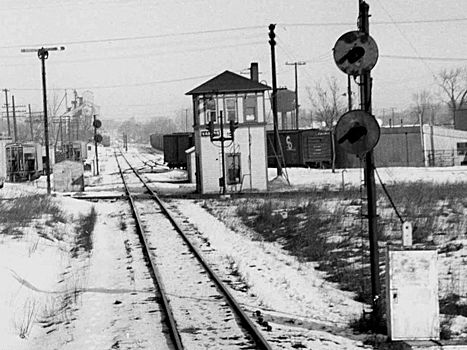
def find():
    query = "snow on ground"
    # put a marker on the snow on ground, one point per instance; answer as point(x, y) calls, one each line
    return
point(26, 263)
point(114, 307)
point(53, 300)
point(278, 284)
point(304, 177)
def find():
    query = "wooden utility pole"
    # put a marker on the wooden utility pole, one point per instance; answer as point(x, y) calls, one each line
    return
point(43, 54)
point(7, 112)
point(272, 42)
point(30, 122)
point(365, 96)
point(15, 130)
point(298, 63)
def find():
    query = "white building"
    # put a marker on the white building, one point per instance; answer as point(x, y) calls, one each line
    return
point(225, 99)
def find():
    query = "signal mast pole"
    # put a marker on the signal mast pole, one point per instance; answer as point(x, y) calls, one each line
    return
point(365, 98)
point(272, 42)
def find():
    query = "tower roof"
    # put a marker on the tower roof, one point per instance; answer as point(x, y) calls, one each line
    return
point(228, 82)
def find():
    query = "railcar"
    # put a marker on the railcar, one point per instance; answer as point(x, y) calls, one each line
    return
point(303, 147)
point(24, 161)
point(106, 140)
point(157, 141)
point(300, 148)
point(175, 146)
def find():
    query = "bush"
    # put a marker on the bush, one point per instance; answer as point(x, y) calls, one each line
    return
point(84, 230)
point(21, 211)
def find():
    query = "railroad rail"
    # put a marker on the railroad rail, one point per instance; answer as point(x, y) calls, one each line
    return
point(247, 335)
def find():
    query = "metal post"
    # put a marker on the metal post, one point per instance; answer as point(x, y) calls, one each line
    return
point(272, 42)
point(366, 82)
point(224, 183)
point(422, 138)
point(349, 91)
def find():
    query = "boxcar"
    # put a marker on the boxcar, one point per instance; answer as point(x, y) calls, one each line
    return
point(289, 143)
point(24, 161)
point(3, 162)
point(156, 141)
point(303, 147)
point(106, 140)
point(175, 146)
point(316, 148)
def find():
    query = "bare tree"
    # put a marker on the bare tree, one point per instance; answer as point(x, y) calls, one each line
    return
point(328, 106)
point(454, 84)
point(423, 104)
point(183, 118)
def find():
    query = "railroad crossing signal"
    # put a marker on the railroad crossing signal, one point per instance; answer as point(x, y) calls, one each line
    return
point(355, 53)
point(357, 132)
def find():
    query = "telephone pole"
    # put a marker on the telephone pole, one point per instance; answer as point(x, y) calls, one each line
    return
point(7, 112)
point(15, 130)
point(298, 63)
point(43, 54)
point(365, 97)
point(272, 42)
point(30, 122)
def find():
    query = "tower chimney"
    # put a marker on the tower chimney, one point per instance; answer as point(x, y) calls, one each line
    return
point(254, 74)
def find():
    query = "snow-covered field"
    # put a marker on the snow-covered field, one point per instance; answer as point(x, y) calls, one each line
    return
point(101, 300)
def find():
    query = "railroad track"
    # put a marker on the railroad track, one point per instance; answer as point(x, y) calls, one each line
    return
point(200, 311)
point(151, 162)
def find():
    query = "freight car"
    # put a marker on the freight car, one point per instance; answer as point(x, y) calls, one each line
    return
point(106, 140)
point(3, 170)
point(157, 141)
point(303, 147)
point(175, 146)
point(24, 161)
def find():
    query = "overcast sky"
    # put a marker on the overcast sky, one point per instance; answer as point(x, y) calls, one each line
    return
point(140, 57)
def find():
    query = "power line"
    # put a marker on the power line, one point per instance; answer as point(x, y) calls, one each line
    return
point(142, 37)
point(408, 41)
point(121, 85)
point(161, 53)
point(171, 44)
point(334, 24)
point(223, 30)
point(427, 58)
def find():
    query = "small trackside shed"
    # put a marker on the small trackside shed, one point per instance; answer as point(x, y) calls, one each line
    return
point(235, 98)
